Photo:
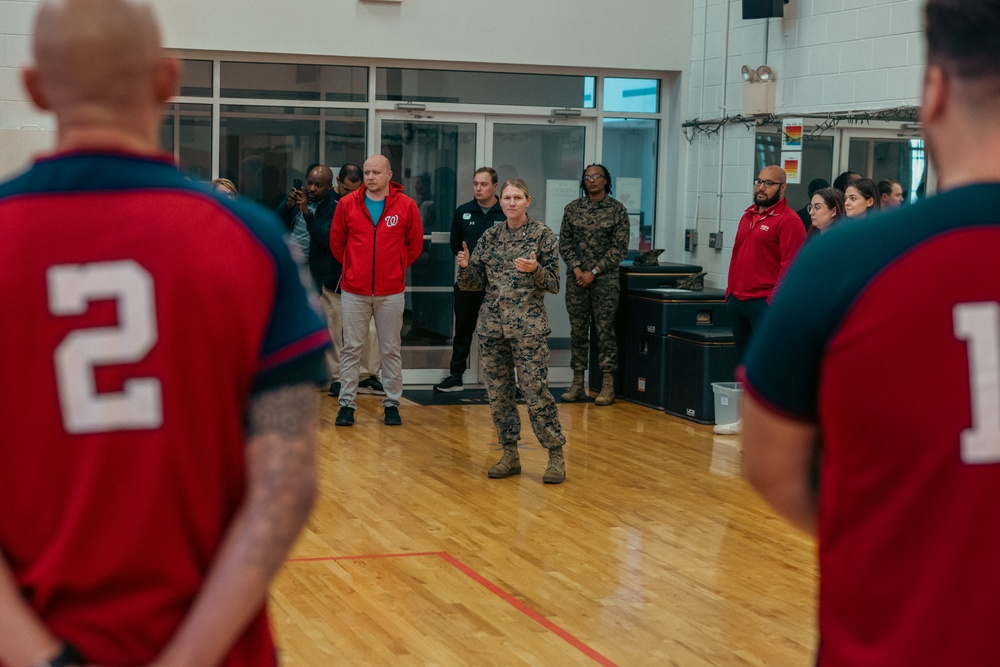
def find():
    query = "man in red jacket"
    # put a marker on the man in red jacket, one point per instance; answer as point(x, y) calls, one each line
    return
point(376, 236)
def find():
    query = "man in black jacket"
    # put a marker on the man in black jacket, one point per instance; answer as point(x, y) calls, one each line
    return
point(305, 212)
point(471, 220)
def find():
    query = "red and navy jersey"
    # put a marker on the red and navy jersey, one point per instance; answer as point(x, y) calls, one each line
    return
point(141, 312)
point(886, 333)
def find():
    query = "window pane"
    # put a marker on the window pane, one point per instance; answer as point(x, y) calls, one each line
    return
point(900, 159)
point(542, 90)
point(429, 159)
point(271, 81)
point(817, 162)
point(589, 99)
point(630, 148)
point(186, 132)
point(345, 131)
point(549, 158)
point(631, 95)
point(265, 148)
point(196, 78)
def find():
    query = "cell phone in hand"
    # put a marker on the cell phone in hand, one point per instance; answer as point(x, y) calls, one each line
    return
point(297, 184)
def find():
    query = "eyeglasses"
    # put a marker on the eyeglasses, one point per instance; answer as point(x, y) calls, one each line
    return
point(816, 207)
point(767, 184)
point(593, 177)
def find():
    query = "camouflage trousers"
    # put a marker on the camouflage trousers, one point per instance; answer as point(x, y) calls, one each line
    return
point(530, 356)
point(598, 303)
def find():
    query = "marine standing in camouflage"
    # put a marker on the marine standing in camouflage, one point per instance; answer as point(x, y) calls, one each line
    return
point(513, 326)
point(593, 241)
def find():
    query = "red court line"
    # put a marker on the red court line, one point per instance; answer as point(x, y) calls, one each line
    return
point(490, 586)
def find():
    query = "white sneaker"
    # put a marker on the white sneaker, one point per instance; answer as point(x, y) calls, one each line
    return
point(729, 429)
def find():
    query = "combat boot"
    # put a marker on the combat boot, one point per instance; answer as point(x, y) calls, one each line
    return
point(509, 464)
point(607, 395)
point(555, 472)
point(575, 392)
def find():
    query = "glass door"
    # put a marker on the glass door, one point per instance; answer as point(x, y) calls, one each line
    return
point(550, 156)
point(896, 153)
point(434, 159)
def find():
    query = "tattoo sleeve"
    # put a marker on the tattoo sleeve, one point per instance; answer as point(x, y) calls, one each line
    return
point(286, 411)
point(281, 469)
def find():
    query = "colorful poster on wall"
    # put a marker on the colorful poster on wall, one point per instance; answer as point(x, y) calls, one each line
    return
point(792, 164)
point(791, 134)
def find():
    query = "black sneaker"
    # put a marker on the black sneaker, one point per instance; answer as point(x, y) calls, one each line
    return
point(345, 417)
point(449, 384)
point(334, 389)
point(392, 417)
point(371, 386)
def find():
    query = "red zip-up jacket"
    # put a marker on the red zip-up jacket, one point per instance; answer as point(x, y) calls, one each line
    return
point(375, 257)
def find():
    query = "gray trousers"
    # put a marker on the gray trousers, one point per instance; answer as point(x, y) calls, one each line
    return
point(370, 358)
point(358, 312)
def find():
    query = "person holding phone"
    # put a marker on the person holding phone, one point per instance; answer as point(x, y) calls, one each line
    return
point(309, 205)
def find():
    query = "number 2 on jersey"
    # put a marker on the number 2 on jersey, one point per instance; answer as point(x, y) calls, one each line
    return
point(979, 325)
point(84, 409)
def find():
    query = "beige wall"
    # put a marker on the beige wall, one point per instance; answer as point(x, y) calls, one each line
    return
point(621, 34)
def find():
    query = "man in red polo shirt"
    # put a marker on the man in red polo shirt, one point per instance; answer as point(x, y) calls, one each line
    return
point(769, 236)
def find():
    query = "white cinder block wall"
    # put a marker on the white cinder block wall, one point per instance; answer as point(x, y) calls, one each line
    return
point(829, 55)
point(15, 51)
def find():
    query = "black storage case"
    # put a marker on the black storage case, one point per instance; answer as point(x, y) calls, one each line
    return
point(651, 277)
point(647, 369)
point(630, 278)
point(653, 313)
point(658, 311)
point(698, 357)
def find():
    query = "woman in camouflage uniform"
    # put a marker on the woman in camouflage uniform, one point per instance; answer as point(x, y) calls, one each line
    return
point(517, 264)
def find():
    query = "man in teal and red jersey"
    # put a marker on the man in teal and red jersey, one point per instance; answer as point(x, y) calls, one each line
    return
point(376, 236)
point(157, 397)
point(872, 413)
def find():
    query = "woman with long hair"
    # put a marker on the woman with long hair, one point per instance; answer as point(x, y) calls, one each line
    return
point(861, 198)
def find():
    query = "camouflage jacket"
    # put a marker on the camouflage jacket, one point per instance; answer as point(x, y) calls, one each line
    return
point(515, 301)
point(594, 234)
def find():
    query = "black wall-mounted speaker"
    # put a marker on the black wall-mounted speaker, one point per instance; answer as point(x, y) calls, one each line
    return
point(763, 9)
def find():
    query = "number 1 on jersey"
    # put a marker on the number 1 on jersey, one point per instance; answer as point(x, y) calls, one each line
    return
point(84, 409)
point(979, 325)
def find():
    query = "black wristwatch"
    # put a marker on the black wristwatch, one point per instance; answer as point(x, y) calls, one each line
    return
point(67, 656)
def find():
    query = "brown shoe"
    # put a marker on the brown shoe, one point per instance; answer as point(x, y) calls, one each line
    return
point(509, 464)
point(576, 391)
point(607, 395)
point(555, 472)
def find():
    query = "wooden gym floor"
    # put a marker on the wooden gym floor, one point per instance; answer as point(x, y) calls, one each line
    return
point(653, 552)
